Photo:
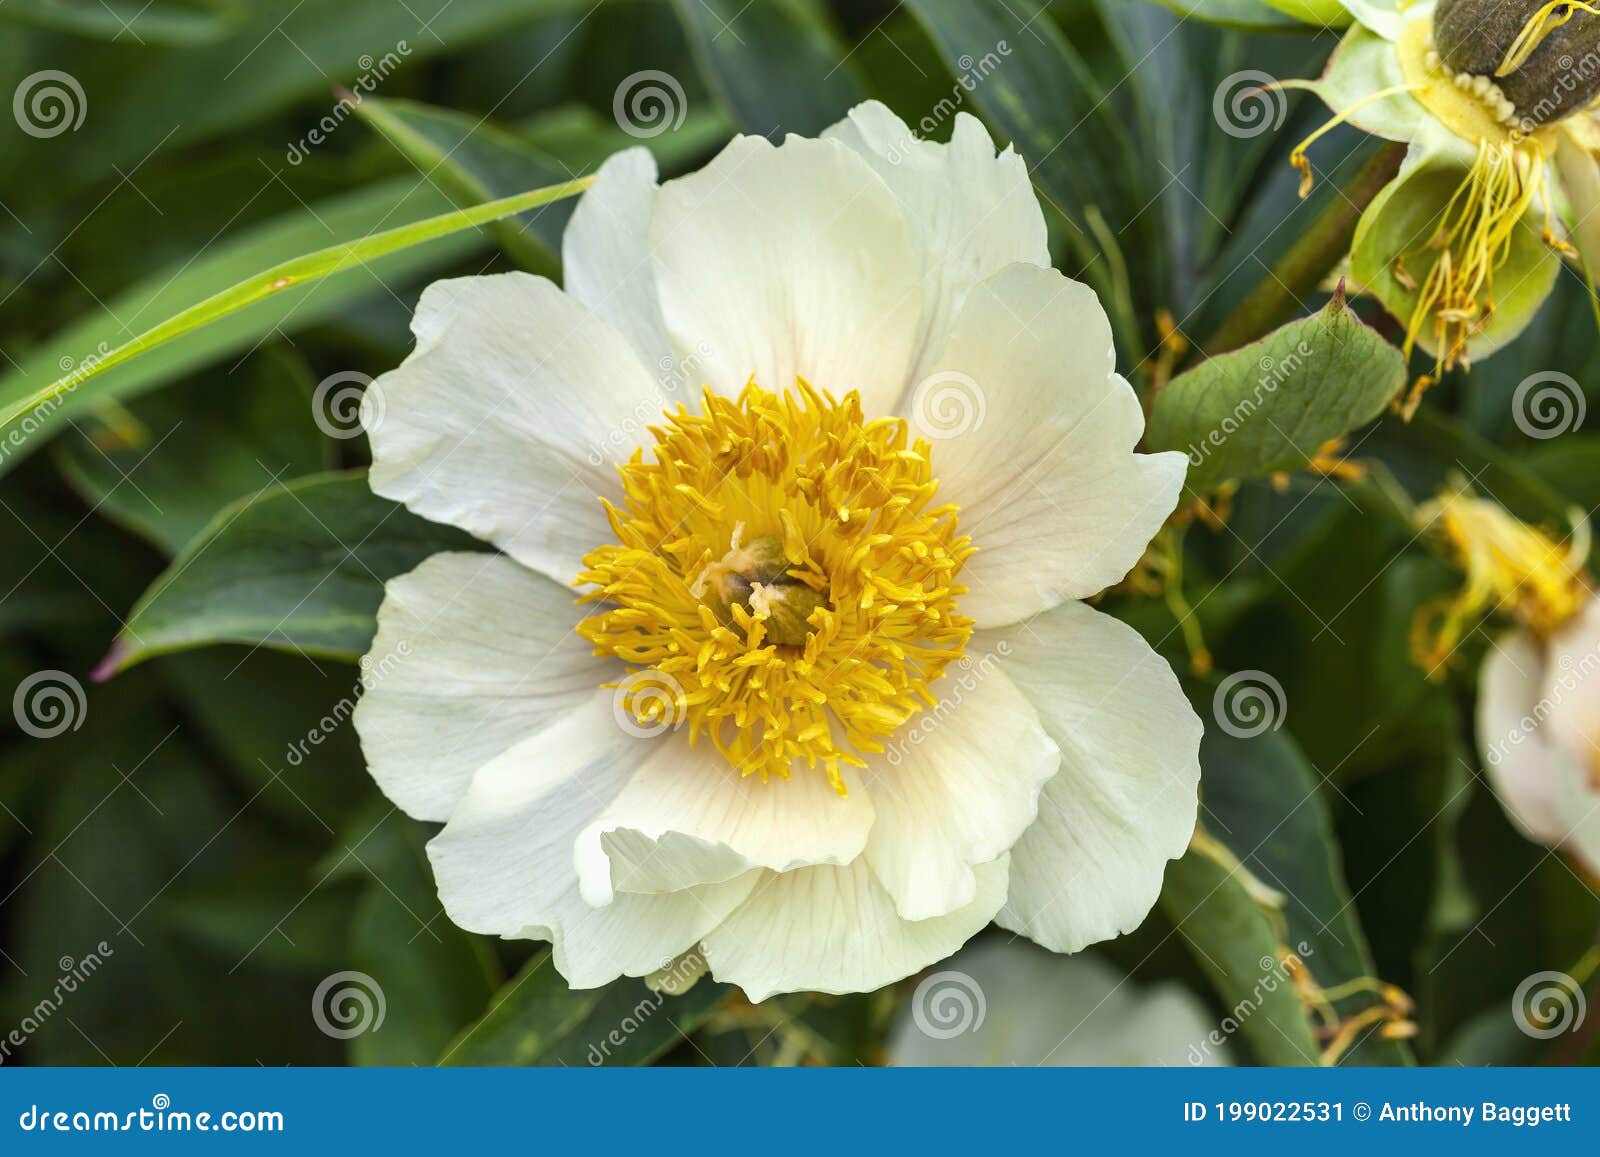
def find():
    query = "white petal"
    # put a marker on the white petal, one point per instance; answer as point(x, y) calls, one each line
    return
point(504, 862)
point(1125, 799)
point(1041, 458)
point(1004, 1002)
point(507, 418)
point(473, 653)
point(971, 212)
point(687, 817)
point(605, 254)
point(956, 787)
point(1572, 690)
point(1517, 755)
point(1578, 807)
point(785, 262)
point(835, 930)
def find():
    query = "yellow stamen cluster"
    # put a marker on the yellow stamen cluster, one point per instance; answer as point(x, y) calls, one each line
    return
point(852, 503)
point(1511, 569)
point(1472, 242)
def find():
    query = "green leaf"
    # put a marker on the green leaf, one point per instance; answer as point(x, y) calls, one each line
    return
point(776, 66)
point(1235, 942)
point(144, 97)
point(434, 977)
point(164, 467)
point(218, 312)
point(1254, 15)
point(299, 566)
point(141, 21)
point(1264, 802)
point(475, 161)
point(537, 1020)
point(1271, 405)
point(1032, 83)
point(294, 753)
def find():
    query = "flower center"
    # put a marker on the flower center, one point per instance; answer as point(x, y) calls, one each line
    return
point(781, 567)
point(1473, 238)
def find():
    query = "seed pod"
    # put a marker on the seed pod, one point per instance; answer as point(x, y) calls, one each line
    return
point(1560, 77)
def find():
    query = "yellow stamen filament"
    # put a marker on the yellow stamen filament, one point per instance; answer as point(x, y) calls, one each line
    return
point(1299, 159)
point(1472, 243)
point(1539, 26)
point(1511, 569)
point(850, 503)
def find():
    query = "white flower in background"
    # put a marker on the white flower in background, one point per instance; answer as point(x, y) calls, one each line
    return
point(1500, 182)
point(1055, 1011)
point(830, 704)
point(1539, 731)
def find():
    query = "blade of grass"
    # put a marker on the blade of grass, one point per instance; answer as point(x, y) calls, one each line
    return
point(294, 272)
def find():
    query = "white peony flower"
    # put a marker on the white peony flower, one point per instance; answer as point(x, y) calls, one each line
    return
point(1001, 1002)
point(829, 704)
point(1539, 731)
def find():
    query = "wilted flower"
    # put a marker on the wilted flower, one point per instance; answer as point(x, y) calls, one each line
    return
point(1539, 690)
point(1004, 1002)
point(1493, 97)
point(829, 705)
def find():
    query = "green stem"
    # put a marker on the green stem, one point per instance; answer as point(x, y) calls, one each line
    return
point(1280, 296)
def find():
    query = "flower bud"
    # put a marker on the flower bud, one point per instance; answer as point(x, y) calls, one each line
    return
point(1548, 69)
